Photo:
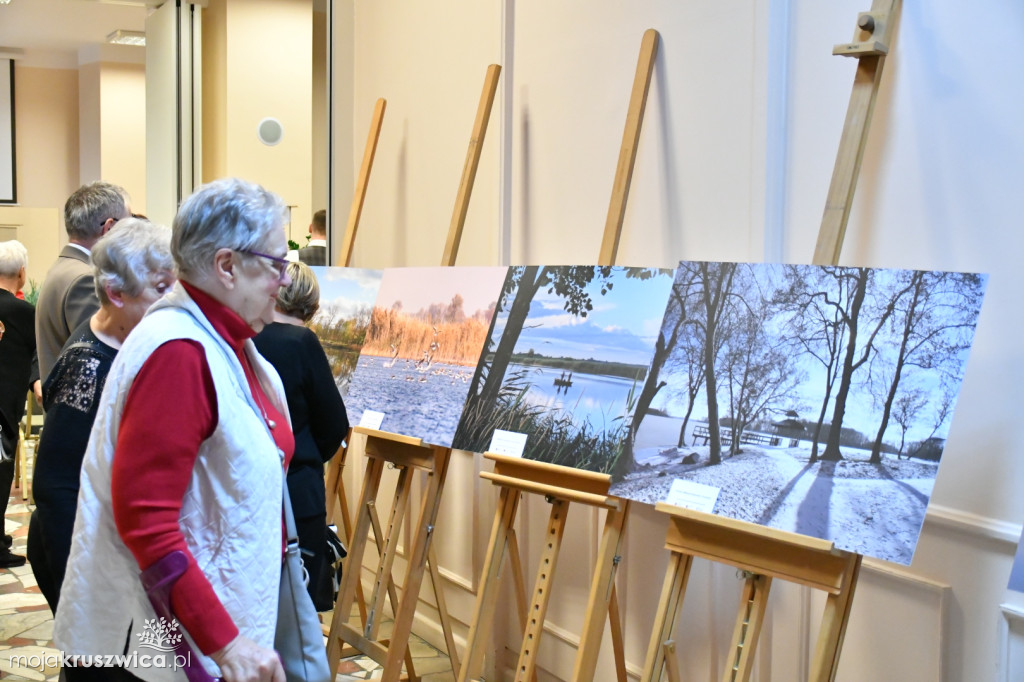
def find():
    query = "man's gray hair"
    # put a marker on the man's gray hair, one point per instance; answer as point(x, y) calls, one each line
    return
point(90, 206)
point(125, 257)
point(13, 257)
point(223, 214)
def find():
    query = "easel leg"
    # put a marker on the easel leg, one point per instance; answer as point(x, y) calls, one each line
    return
point(753, 604)
point(442, 610)
point(833, 624)
point(350, 579)
point(618, 643)
point(416, 563)
point(519, 583)
point(602, 586)
point(672, 662)
point(387, 556)
point(542, 591)
point(672, 591)
point(392, 591)
point(337, 500)
point(487, 595)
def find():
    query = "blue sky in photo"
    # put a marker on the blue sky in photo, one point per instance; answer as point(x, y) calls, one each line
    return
point(622, 327)
point(347, 289)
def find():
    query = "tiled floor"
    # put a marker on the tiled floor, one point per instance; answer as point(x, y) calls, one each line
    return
point(26, 626)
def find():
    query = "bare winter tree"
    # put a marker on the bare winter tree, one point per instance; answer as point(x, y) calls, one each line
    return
point(715, 281)
point(933, 319)
point(758, 365)
point(673, 324)
point(862, 324)
point(816, 299)
point(689, 357)
point(905, 410)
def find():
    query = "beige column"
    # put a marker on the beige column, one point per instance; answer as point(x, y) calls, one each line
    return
point(112, 118)
point(263, 74)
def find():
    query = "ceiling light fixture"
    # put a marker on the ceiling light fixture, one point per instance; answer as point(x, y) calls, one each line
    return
point(5, 2)
point(123, 37)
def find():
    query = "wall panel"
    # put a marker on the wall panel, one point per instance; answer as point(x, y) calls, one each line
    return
point(734, 164)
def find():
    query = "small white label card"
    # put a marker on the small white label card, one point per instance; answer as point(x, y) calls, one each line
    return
point(371, 419)
point(690, 495)
point(510, 443)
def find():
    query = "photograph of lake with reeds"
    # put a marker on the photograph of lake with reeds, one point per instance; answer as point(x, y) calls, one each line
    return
point(425, 335)
point(346, 301)
point(565, 362)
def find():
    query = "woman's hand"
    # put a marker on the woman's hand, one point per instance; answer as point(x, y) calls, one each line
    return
point(243, 660)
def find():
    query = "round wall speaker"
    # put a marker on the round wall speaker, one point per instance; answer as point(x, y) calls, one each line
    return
point(270, 131)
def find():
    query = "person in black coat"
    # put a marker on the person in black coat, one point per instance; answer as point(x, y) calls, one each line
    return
point(18, 373)
point(318, 416)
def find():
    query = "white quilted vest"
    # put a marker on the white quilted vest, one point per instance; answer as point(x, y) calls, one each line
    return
point(231, 512)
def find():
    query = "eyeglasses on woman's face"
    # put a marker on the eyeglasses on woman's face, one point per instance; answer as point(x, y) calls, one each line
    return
point(280, 265)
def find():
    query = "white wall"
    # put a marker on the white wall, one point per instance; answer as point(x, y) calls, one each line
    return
point(734, 162)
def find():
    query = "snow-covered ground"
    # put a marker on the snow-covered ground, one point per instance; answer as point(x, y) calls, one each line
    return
point(876, 510)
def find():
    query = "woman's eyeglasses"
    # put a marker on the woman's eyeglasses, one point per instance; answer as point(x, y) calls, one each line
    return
point(279, 264)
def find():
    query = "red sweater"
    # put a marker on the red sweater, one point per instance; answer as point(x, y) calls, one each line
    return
point(154, 458)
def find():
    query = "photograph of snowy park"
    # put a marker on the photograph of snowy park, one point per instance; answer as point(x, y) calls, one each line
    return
point(817, 400)
point(425, 334)
point(565, 362)
point(346, 299)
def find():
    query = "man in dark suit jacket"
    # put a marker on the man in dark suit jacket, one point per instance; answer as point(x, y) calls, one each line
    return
point(18, 372)
point(315, 253)
point(68, 295)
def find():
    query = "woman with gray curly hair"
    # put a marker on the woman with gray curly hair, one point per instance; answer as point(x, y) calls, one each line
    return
point(318, 416)
point(132, 269)
point(187, 455)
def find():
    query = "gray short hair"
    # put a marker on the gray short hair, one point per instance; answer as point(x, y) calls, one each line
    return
point(223, 214)
point(301, 298)
point(13, 257)
point(126, 256)
point(90, 206)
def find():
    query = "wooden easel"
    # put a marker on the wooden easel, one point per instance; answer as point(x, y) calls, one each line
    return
point(406, 455)
point(563, 485)
point(335, 484)
point(765, 553)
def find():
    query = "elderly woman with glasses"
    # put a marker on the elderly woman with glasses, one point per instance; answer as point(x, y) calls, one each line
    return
point(132, 269)
point(188, 453)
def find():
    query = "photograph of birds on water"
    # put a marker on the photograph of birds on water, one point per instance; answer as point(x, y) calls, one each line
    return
point(426, 331)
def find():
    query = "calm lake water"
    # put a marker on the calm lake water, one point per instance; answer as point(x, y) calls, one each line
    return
point(424, 404)
point(595, 397)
